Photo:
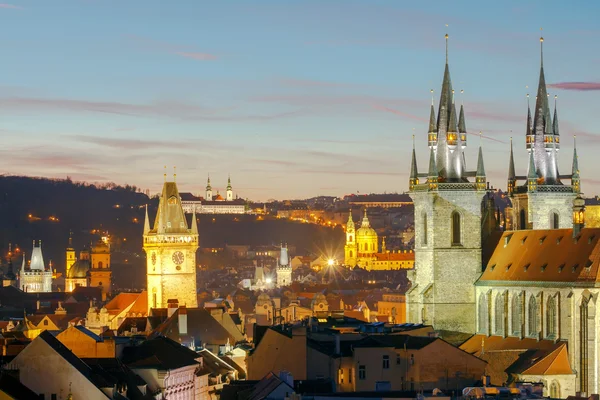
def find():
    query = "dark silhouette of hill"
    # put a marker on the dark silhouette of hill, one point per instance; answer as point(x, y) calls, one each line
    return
point(48, 209)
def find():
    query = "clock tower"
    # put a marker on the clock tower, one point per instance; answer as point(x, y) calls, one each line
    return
point(170, 248)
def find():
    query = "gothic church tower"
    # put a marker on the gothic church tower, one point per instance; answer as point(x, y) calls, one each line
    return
point(170, 248)
point(284, 268)
point(543, 201)
point(448, 215)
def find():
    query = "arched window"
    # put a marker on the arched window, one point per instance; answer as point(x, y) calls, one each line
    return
point(351, 254)
point(456, 239)
point(551, 318)
point(522, 220)
point(499, 315)
point(424, 229)
point(350, 238)
point(99, 264)
point(483, 314)
point(554, 220)
point(554, 390)
point(517, 314)
point(532, 322)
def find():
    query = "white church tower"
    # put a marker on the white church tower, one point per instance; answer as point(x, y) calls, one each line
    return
point(229, 196)
point(209, 194)
point(35, 277)
point(284, 268)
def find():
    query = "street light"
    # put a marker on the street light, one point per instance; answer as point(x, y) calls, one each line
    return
point(331, 262)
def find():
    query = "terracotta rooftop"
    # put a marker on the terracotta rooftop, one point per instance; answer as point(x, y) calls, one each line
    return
point(549, 255)
point(408, 256)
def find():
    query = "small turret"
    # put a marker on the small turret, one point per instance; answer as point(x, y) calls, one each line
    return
point(194, 227)
point(529, 134)
point(432, 134)
point(512, 178)
point(432, 175)
point(208, 190)
point(414, 173)
point(531, 175)
point(575, 178)
point(480, 174)
point(452, 134)
point(146, 222)
point(555, 126)
point(462, 127)
point(229, 193)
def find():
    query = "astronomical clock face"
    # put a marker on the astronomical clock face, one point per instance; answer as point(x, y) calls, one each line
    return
point(153, 257)
point(178, 258)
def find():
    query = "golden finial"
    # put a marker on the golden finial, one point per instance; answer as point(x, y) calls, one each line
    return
point(462, 98)
point(174, 173)
point(452, 96)
point(555, 100)
point(541, 48)
point(165, 174)
point(480, 136)
point(413, 138)
point(446, 37)
point(431, 96)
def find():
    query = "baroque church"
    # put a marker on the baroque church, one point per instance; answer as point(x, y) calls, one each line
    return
point(35, 276)
point(529, 293)
point(91, 269)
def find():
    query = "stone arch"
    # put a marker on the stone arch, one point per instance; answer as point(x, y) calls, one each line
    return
point(483, 315)
point(499, 314)
point(516, 309)
point(532, 317)
point(456, 228)
point(554, 391)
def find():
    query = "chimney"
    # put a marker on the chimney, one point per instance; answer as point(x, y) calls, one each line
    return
point(172, 305)
point(182, 322)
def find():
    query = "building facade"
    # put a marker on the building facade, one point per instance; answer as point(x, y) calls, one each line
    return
point(214, 204)
point(284, 269)
point(170, 248)
point(35, 276)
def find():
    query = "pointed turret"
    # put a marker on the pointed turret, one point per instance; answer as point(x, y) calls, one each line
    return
point(229, 192)
point(452, 132)
point(229, 183)
point(194, 226)
point(414, 173)
point(531, 175)
point(283, 256)
point(575, 178)
point(70, 241)
point(529, 135)
point(555, 126)
point(480, 174)
point(432, 175)
point(350, 223)
point(432, 134)
point(512, 177)
point(170, 217)
point(462, 127)
point(146, 222)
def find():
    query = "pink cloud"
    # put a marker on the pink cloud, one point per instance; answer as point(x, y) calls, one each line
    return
point(182, 51)
point(579, 86)
point(10, 6)
point(400, 113)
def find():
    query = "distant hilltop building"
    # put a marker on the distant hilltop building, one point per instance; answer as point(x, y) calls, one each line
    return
point(35, 276)
point(362, 249)
point(214, 204)
point(379, 200)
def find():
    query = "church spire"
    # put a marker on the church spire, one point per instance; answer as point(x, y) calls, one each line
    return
point(194, 226)
point(480, 174)
point(208, 187)
point(350, 223)
point(462, 127)
point(531, 175)
point(432, 134)
point(452, 132)
point(432, 175)
point(555, 125)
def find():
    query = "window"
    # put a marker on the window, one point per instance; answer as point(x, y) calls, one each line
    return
point(350, 238)
point(99, 264)
point(517, 314)
point(168, 224)
point(499, 315)
point(350, 373)
point(351, 253)
point(398, 359)
point(483, 314)
point(456, 239)
point(362, 372)
point(154, 299)
point(53, 396)
point(551, 318)
point(386, 362)
point(554, 390)
point(45, 322)
point(412, 384)
point(522, 220)
point(532, 324)
point(554, 220)
point(341, 375)
point(424, 229)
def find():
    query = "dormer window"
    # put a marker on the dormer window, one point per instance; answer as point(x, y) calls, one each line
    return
point(542, 239)
point(507, 239)
point(168, 224)
point(526, 267)
point(172, 200)
point(588, 264)
point(561, 267)
point(508, 266)
point(544, 267)
point(523, 240)
point(574, 268)
point(591, 239)
point(558, 240)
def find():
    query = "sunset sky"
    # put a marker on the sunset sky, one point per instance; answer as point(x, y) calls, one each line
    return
point(292, 98)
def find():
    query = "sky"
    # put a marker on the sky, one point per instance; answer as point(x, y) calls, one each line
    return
point(293, 99)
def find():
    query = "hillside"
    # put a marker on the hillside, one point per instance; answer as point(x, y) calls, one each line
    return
point(47, 210)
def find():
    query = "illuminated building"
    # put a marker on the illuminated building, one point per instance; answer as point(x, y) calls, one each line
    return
point(170, 248)
point(35, 277)
point(92, 269)
point(362, 249)
point(214, 204)
point(284, 269)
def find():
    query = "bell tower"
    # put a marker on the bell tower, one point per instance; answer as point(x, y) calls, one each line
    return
point(170, 248)
point(100, 274)
point(350, 247)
